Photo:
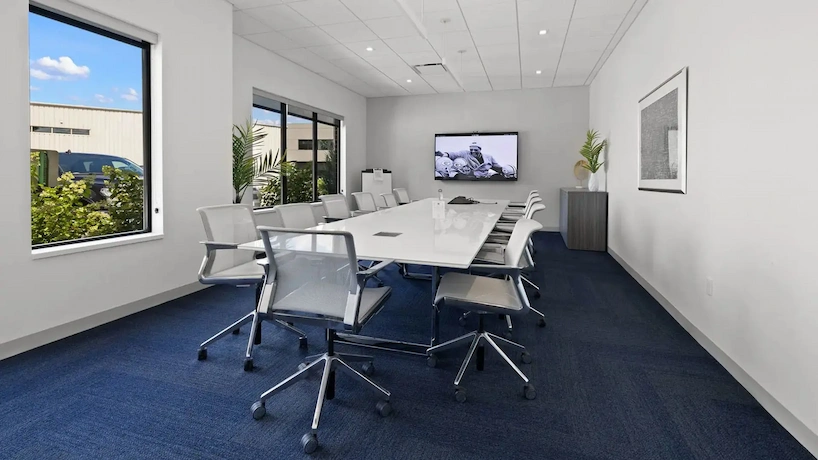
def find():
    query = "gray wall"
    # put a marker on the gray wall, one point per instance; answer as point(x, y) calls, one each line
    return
point(551, 122)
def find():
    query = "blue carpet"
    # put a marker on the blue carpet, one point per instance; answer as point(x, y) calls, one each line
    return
point(616, 376)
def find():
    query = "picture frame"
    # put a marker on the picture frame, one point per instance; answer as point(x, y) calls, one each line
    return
point(662, 125)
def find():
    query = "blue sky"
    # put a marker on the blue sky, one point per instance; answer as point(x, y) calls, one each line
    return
point(268, 117)
point(69, 65)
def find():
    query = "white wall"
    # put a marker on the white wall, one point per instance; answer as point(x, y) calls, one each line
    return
point(255, 67)
point(750, 217)
point(196, 88)
point(551, 122)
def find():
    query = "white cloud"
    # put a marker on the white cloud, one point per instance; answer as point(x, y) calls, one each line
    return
point(62, 68)
point(131, 95)
point(103, 99)
point(267, 122)
point(33, 88)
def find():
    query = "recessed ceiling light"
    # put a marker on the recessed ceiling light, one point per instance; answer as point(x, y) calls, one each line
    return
point(538, 72)
point(543, 32)
point(408, 81)
point(369, 48)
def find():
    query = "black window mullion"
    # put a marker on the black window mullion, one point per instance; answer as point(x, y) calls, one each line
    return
point(146, 139)
point(314, 156)
point(283, 151)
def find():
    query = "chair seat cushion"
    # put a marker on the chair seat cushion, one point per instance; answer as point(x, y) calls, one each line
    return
point(329, 301)
point(479, 293)
point(490, 255)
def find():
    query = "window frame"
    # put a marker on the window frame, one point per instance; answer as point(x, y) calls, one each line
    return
point(147, 123)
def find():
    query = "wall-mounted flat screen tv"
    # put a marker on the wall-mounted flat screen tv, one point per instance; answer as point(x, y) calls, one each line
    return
point(476, 156)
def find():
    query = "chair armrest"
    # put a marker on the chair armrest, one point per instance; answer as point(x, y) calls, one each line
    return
point(504, 269)
point(328, 219)
point(359, 213)
point(213, 245)
point(373, 270)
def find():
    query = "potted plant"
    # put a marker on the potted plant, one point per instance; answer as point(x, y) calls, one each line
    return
point(250, 168)
point(590, 151)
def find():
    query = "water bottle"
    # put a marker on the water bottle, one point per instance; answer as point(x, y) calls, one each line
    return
point(440, 194)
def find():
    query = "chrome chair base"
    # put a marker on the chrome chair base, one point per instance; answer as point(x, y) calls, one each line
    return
point(329, 362)
point(477, 339)
point(255, 335)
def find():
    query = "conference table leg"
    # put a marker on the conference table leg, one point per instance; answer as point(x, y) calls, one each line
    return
point(399, 346)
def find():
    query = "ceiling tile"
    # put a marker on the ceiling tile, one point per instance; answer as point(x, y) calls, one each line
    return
point(324, 12)
point(385, 60)
point(502, 68)
point(467, 3)
point(551, 14)
point(425, 57)
point(499, 36)
point(418, 86)
point(244, 24)
point(244, 4)
point(308, 60)
point(379, 48)
point(538, 81)
point(399, 73)
point(396, 27)
point(353, 65)
point(590, 8)
point(472, 67)
point(476, 83)
point(279, 17)
point(490, 16)
point(530, 35)
point(443, 84)
point(427, 6)
point(570, 79)
point(349, 32)
point(596, 25)
point(498, 51)
point(432, 21)
point(332, 51)
point(402, 45)
point(373, 9)
point(503, 83)
point(453, 41)
point(309, 36)
point(581, 44)
point(273, 41)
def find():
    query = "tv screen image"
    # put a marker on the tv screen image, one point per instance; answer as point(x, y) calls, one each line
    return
point(477, 157)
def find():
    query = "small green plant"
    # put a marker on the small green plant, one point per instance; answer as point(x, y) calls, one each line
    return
point(249, 167)
point(125, 203)
point(591, 150)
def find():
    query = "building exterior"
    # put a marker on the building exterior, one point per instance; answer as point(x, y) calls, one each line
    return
point(299, 141)
point(87, 130)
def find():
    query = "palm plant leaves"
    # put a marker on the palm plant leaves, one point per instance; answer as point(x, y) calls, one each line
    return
point(591, 150)
point(249, 167)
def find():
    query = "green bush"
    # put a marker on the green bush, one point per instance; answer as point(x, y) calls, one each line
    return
point(299, 186)
point(62, 213)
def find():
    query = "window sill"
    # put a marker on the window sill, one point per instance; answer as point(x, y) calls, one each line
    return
point(56, 251)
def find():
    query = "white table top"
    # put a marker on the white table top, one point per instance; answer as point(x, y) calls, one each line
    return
point(448, 236)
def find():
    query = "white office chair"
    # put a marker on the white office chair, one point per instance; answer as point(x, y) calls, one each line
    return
point(513, 216)
point(297, 215)
point(486, 294)
point(336, 208)
point(319, 287)
point(402, 195)
point(365, 202)
point(389, 199)
point(226, 227)
point(523, 203)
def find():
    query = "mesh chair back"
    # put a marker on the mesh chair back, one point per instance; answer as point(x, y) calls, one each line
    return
point(389, 199)
point(317, 277)
point(232, 223)
point(269, 217)
point(518, 241)
point(535, 208)
point(402, 195)
point(297, 215)
point(335, 206)
point(365, 201)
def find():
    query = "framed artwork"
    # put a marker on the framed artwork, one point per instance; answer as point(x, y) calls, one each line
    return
point(663, 137)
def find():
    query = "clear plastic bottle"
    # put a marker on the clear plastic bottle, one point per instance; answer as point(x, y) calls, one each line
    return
point(440, 194)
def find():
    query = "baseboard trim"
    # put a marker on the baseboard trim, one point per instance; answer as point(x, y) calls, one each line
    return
point(62, 331)
point(799, 431)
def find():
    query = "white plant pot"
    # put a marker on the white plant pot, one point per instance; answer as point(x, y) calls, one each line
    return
point(593, 182)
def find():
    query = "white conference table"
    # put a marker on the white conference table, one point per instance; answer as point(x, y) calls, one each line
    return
point(421, 233)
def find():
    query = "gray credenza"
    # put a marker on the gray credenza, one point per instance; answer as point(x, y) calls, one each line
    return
point(584, 219)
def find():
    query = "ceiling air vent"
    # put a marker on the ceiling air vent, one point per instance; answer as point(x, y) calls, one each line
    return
point(432, 70)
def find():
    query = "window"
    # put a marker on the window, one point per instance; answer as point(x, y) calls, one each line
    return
point(307, 171)
point(98, 186)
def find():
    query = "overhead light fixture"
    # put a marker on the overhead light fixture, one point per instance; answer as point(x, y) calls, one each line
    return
point(408, 81)
point(538, 72)
point(369, 48)
point(543, 32)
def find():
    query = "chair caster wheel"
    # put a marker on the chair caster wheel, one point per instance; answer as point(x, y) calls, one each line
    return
point(525, 357)
point(237, 331)
point(529, 392)
point(309, 442)
point(460, 394)
point(368, 369)
point(258, 410)
point(248, 365)
point(537, 295)
point(541, 322)
point(384, 408)
point(302, 343)
point(508, 335)
point(202, 354)
point(380, 284)
point(431, 361)
point(462, 321)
